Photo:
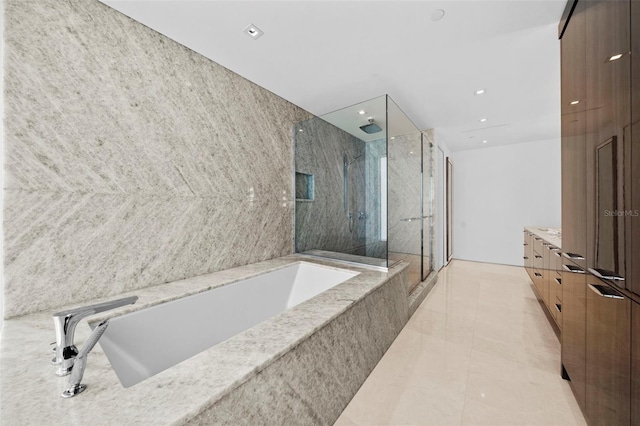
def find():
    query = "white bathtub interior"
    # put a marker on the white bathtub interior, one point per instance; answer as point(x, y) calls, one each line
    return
point(146, 342)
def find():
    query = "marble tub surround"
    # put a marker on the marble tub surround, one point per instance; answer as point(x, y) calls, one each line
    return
point(131, 160)
point(31, 395)
point(550, 235)
point(323, 373)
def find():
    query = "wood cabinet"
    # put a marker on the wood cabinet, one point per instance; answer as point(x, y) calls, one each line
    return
point(543, 266)
point(528, 251)
point(574, 330)
point(608, 350)
point(573, 132)
point(635, 364)
point(600, 282)
point(632, 181)
point(608, 116)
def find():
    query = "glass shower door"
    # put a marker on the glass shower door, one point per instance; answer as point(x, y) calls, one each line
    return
point(428, 195)
point(404, 168)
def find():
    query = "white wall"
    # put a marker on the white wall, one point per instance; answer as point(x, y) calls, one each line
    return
point(499, 190)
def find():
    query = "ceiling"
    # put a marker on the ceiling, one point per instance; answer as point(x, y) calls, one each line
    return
point(327, 55)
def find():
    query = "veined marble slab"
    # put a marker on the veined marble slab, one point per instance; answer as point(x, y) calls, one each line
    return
point(357, 320)
point(131, 160)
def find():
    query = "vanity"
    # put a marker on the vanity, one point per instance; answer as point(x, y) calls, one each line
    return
point(543, 263)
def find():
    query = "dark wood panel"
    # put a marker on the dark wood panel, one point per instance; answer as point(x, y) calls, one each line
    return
point(633, 228)
point(573, 83)
point(608, 355)
point(574, 311)
point(608, 120)
point(635, 364)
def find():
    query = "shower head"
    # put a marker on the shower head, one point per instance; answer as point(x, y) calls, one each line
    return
point(371, 127)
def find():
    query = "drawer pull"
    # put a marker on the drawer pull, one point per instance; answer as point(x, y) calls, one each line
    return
point(559, 281)
point(558, 307)
point(537, 274)
point(573, 256)
point(604, 291)
point(558, 253)
point(525, 244)
point(525, 257)
point(537, 256)
point(603, 274)
point(573, 269)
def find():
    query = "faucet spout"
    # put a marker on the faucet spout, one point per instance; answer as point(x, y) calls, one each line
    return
point(65, 324)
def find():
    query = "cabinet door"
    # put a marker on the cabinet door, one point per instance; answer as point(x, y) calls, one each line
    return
point(633, 169)
point(608, 132)
point(608, 356)
point(635, 364)
point(550, 283)
point(546, 288)
point(528, 251)
point(573, 157)
point(574, 311)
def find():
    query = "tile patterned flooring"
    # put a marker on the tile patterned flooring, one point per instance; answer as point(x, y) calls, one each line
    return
point(478, 351)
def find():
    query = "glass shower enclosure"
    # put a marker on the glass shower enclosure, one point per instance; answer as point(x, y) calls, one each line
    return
point(364, 187)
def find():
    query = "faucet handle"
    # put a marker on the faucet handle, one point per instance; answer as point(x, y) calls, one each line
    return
point(65, 323)
point(75, 387)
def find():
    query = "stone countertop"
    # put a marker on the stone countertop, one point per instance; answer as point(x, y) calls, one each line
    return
point(551, 235)
point(30, 390)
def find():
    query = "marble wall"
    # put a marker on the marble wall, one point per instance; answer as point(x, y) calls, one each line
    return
point(428, 199)
point(375, 150)
point(131, 160)
point(322, 224)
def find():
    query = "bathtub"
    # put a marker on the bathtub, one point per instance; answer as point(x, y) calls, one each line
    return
point(143, 343)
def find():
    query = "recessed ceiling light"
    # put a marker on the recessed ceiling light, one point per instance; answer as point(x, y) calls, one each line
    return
point(575, 102)
point(480, 92)
point(437, 15)
point(393, 137)
point(410, 152)
point(253, 31)
point(361, 112)
point(616, 57)
point(482, 120)
point(301, 130)
point(484, 141)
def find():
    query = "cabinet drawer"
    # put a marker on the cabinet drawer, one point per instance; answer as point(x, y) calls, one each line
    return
point(528, 250)
point(537, 244)
point(557, 282)
point(608, 354)
point(557, 312)
point(538, 282)
point(556, 259)
point(538, 260)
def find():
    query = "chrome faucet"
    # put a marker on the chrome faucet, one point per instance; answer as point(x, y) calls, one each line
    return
point(66, 322)
point(75, 387)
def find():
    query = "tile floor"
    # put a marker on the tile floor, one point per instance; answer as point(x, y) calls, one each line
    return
point(478, 351)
